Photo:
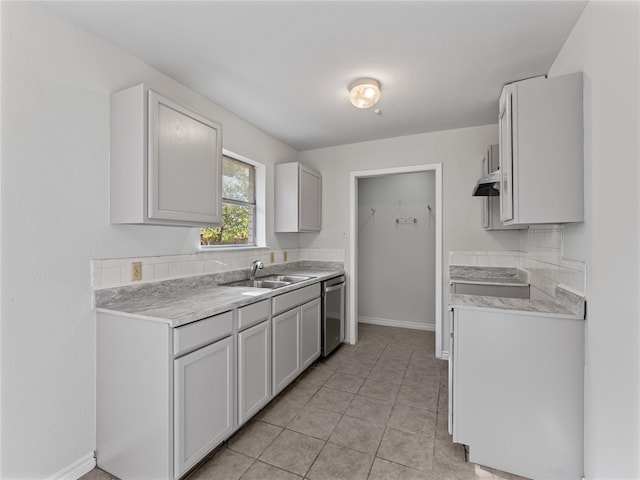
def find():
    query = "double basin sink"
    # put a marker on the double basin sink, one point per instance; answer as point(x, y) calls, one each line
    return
point(269, 281)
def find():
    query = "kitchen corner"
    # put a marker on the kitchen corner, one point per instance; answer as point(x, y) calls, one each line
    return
point(516, 366)
point(502, 280)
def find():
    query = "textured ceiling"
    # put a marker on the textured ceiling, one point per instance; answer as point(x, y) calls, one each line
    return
point(285, 66)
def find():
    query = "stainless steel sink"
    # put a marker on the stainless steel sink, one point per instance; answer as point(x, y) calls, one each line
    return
point(285, 278)
point(258, 283)
point(268, 281)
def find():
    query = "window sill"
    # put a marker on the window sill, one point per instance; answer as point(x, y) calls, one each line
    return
point(231, 248)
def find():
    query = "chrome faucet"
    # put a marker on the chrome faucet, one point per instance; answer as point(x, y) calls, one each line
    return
point(257, 264)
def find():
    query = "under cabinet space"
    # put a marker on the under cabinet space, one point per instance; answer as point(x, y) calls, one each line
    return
point(165, 163)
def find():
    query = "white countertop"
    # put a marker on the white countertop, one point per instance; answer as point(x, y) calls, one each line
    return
point(179, 303)
point(565, 305)
point(503, 276)
point(545, 308)
point(503, 282)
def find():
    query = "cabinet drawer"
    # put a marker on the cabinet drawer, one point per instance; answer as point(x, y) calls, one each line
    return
point(289, 300)
point(252, 314)
point(202, 332)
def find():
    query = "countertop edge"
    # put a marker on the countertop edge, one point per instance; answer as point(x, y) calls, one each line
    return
point(539, 308)
point(494, 282)
point(238, 297)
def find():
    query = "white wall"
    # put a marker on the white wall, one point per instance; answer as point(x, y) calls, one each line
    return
point(56, 81)
point(396, 261)
point(460, 152)
point(605, 45)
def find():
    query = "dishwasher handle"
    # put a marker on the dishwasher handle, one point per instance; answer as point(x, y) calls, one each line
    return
point(333, 281)
point(334, 288)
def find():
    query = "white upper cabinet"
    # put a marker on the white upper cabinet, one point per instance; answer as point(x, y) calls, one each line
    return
point(165, 162)
point(298, 198)
point(491, 207)
point(541, 151)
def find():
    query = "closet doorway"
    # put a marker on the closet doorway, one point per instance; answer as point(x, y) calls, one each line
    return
point(395, 251)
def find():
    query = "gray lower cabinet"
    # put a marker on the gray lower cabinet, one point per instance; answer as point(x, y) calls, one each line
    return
point(166, 397)
point(254, 370)
point(286, 349)
point(296, 343)
point(203, 402)
point(531, 398)
point(309, 333)
point(295, 333)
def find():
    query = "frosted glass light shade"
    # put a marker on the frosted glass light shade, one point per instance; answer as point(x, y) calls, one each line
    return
point(364, 93)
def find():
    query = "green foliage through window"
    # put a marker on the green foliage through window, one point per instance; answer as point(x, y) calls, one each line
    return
point(238, 206)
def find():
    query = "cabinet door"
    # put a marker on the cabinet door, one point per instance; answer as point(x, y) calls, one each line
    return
point(310, 197)
point(485, 200)
point(528, 400)
point(506, 155)
point(184, 164)
point(254, 370)
point(310, 332)
point(285, 348)
point(451, 370)
point(203, 402)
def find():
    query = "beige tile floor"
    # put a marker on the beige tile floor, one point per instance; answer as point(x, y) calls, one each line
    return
point(376, 410)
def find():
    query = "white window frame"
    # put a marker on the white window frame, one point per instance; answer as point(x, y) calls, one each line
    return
point(260, 212)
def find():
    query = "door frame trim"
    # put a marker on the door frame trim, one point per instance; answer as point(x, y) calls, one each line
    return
point(352, 286)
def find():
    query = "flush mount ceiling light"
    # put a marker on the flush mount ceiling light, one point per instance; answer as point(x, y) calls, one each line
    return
point(364, 93)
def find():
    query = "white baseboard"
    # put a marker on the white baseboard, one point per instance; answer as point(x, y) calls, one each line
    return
point(76, 469)
point(397, 323)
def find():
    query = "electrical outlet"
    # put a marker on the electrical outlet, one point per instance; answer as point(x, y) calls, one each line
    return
point(272, 256)
point(136, 271)
point(284, 256)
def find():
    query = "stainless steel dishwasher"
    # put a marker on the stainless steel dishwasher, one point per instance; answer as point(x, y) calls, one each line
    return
point(332, 314)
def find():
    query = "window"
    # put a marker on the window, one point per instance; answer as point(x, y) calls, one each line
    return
point(238, 225)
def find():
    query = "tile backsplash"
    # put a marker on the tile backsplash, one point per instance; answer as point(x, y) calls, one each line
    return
point(542, 260)
point(115, 272)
